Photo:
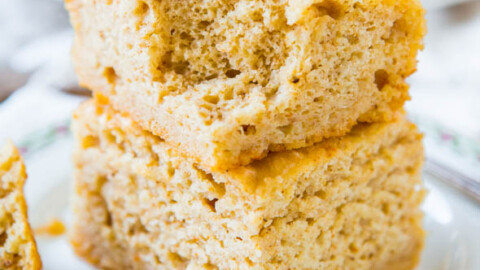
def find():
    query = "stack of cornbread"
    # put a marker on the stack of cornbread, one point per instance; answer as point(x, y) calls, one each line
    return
point(247, 134)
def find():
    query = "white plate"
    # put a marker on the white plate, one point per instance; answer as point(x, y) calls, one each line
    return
point(452, 220)
point(453, 229)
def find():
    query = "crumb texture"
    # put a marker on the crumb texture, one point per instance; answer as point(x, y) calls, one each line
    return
point(17, 245)
point(229, 80)
point(346, 203)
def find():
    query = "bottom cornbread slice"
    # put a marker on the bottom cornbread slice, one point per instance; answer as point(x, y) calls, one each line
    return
point(346, 203)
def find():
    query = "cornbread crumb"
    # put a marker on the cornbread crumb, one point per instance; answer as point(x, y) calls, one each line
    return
point(345, 203)
point(18, 249)
point(54, 228)
point(227, 81)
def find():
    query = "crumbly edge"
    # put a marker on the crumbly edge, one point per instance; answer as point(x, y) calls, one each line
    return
point(18, 249)
point(404, 149)
point(384, 194)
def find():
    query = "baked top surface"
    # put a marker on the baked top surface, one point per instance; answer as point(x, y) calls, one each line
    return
point(262, 175)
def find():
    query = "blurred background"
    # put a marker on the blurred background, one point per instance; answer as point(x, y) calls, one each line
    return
point(38, 92)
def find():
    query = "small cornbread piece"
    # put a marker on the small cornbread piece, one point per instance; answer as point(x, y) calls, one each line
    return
point(18, 249)
point(227, 81)
point(346, 203)
point(54, 228)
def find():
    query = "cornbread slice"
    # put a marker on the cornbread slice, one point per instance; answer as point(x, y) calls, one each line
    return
point(17, 245)
point(346, 203)
point(226, 81)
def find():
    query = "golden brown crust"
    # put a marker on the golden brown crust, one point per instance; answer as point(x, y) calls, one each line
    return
point(18, 249)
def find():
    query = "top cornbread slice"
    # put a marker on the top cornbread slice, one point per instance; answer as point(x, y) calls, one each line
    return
point(18, 249)
point(228, 81)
